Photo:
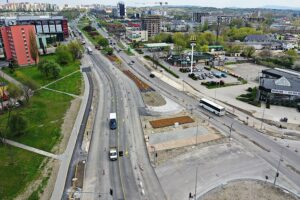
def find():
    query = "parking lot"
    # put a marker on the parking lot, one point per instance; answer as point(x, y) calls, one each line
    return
point(204, 74)
point(249, 71)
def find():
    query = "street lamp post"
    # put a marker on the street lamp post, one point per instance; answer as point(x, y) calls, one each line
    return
point(193, 44)
point(262, 120)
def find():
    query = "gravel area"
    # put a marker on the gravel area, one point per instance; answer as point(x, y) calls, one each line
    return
point(248, 189)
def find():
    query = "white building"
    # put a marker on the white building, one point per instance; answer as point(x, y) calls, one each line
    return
point(134, 35)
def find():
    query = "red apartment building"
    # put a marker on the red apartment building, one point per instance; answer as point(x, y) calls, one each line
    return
point(16, 43)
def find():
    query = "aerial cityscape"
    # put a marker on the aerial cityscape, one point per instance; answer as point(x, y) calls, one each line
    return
point(150, 100)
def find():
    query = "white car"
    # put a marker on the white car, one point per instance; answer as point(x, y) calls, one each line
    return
point(113, 154)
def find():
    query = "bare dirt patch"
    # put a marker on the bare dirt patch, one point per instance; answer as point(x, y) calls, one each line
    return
point(143, 87)
point(153, 98)
point(171, 121)
point(248, 189)
point(165, 155)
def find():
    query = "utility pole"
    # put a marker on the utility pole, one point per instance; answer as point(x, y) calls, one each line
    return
point(277, 169)
point(195, 197)
point(262, 120)
point(230, 130)
point(197, 135)
point(218, 26)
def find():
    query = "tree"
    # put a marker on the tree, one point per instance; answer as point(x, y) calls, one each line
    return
point(205, 26)
point(248, 51)
point(204, 48)
point(76, 49)
point(55, 70)
point(34, 52)
point(29, 86)
point(103, 42)
point(14, 90)
point(109, 50)
point(49, 68)
point(17, 124)
point(63, 55)
point(42, 67)
point(180, 42)
point(233, 49)
point(292, 54)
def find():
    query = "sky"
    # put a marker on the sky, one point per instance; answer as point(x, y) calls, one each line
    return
point(213, 3)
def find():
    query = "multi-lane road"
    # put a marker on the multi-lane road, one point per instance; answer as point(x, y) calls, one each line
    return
point(132, 176)
point(254, 140)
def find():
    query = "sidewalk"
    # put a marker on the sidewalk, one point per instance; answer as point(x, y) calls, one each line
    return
point(193, 88)
point(9, 78)
point(32, 149)
point(64, 166)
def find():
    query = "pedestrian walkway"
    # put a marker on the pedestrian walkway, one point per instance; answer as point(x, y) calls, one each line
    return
point(59, 79)
point(9, 78)
point(66, 93)
point(32, 149)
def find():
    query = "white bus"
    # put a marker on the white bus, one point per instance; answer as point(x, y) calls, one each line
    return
point(212, 107)
point(89, 50)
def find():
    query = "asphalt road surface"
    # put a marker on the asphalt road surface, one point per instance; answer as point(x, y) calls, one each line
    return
point(132, 176)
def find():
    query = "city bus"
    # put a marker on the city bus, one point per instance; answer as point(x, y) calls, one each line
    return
point(89, 50)
point(212, 107)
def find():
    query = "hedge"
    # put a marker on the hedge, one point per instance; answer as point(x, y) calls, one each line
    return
point(162, 66)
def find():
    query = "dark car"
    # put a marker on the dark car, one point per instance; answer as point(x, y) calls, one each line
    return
point(132, 61)
point(113, 124)
point(223, 75)
point(152, 76)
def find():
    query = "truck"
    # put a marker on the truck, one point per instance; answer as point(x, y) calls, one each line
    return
point(89, 50)
point(113, 121)
point(113, 153)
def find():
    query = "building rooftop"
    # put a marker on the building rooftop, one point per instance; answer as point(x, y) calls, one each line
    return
point(157, 45)
point(284, 80)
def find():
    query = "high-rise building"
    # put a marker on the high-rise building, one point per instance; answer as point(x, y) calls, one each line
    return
point(198, 17)
point(152, 24)
point(16, 43)
point(121, 10)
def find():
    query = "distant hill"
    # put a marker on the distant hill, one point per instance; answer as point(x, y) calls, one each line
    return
point(281, 7)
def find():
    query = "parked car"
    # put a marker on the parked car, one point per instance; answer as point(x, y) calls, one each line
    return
point(152, 75)
point(223, 75)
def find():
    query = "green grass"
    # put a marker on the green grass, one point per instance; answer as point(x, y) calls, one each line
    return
point(17, 168)
point(44, 114)
point(128, 52)
point(2, 80)
point(121, 45)
point(34, 74)
point(69, 84)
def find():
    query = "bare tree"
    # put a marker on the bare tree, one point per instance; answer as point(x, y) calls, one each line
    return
point(34, 53)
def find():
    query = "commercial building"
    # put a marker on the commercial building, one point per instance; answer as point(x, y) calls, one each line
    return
point(121, 10)
point(16, 43)
point(136, 35)
point(51, 25)
point(48, 29)
point(152, 24)
point(280, 86)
